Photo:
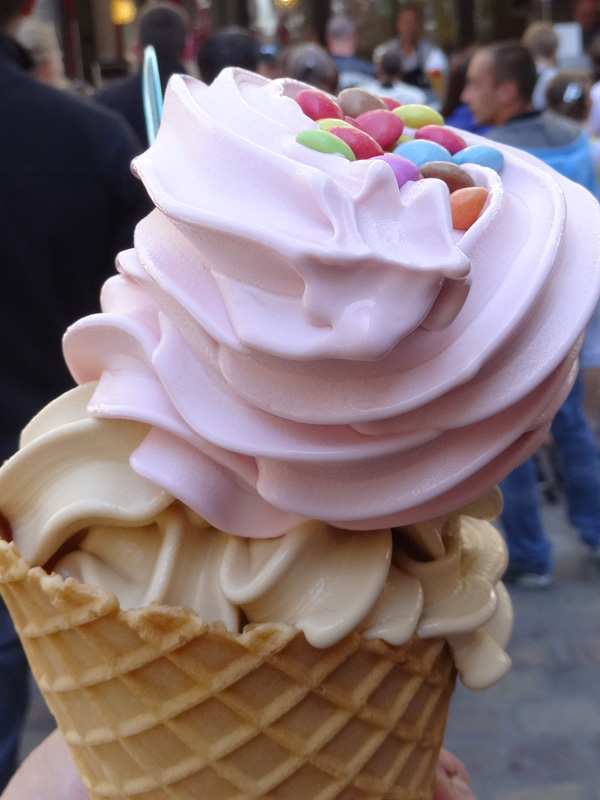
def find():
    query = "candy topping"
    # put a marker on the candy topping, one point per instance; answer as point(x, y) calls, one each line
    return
point(390, 102)
point(466, 205)
point(417, 116)
point(403, 169)
point(384, 126)
point(454, 177)
point(361, 144)
point(362, 126)
point(482, 154)
point(421, 151)
point(325, 142)
point(318, 105)
point(444, 136)
point(355, 101)
point(331, 122)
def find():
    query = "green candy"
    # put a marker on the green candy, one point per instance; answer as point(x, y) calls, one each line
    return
point(325, 142)
point(329, 122)
point(417, 116)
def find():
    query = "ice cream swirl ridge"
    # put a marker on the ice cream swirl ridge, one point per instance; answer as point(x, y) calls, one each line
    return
point(306, 341)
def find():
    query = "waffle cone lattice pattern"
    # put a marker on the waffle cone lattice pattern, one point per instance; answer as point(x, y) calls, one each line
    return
point(156, 704)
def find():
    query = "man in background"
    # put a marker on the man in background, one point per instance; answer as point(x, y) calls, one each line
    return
point(541, 40)
point(233, 47)
point(68, 204)
point(501, 79)
point(500, 83)
point(165, 26)
point(421, 61)
point(341, 39)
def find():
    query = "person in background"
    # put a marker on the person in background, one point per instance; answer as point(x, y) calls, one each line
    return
point(420, 60)
point(499, 89)
point(453, 109)
point(233, 47)
point(542, 42)
point(593, 122)
point(390, 83)
point(568, 94)
point(269, 62)
point(341, 40)
point(41, 44)
point(311, 64)
point(68, 204)
point(586, 13)
point(500, 83)
point(164, 25)
point(49, 773)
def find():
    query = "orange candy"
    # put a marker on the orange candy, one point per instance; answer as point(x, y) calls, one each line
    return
point(466, 205)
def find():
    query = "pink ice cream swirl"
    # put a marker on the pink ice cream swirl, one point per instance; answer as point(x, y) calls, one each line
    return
point(308, 341)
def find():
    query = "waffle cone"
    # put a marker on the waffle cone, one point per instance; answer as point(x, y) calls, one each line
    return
point(155, 703)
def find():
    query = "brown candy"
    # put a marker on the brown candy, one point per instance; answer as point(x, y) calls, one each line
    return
point(454, 177)
point(355, 101)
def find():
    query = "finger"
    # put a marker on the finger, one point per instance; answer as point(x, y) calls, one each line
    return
point(48, 773)
point(450, 787)
point(453, 766)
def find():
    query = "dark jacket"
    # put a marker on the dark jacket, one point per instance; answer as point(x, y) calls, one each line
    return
point(125, 97)
point(68, 204)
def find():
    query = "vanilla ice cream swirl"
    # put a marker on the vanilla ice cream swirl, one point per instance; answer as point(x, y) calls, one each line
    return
point(306, 341)
point(73, 505)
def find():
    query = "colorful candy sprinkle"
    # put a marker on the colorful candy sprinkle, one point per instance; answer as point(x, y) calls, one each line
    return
point(481, 154)
point(355, 101)
point(362, 145)
point(384, 126)
point(403, 169)
point(330, 122)
point(325, 142)
point(444, 136)
point(454, 177)
point(415, 115)
point(466, 205)
point(362, 125)
point(390, 102)
point(318, 105)
point(420, 151)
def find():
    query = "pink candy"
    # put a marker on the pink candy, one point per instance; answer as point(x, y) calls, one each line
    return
point(386, 128)
point(390, 102)
point(361, 144)
point(441, 135)
point(318, 105)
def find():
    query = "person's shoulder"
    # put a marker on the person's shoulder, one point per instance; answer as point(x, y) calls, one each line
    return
point(538, 129)
point(560, 130)
point(101, 130)
point(57, 104)
point(558, 122)
point(354, 64)
point(115, 92)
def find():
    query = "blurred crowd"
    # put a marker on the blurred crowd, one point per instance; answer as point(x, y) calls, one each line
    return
point(515, 92)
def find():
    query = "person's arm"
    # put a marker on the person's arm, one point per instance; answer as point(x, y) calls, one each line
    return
point(49, 773)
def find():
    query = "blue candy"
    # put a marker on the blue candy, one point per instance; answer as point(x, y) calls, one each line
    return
point(420, 151)
point(481, 154)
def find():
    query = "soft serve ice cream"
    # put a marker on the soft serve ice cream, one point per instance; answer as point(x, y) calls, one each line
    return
point(300, 373)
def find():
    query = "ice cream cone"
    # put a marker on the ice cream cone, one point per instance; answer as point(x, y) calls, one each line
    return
point(155, 703)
